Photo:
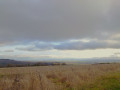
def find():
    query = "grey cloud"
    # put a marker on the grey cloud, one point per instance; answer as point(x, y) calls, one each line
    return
point(87, 45)
point(71, 45)
point(5, 43)
point(114, 16)
point(80, 46)
point(33, 48)
point(118, 53)
point(36, 46)
point(8, 50)
point(51, 20)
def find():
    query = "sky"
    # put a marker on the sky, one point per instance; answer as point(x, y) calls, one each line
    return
point(59, 29)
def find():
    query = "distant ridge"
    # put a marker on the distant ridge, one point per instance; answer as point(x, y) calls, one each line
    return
point(5, 62)
point(14, 63)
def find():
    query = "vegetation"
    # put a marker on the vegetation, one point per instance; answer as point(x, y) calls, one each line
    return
point(69, 77)
point(14, 63)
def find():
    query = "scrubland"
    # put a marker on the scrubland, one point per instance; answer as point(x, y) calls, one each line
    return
point(69, 77)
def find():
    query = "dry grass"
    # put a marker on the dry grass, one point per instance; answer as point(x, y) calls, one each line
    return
point(74, 77)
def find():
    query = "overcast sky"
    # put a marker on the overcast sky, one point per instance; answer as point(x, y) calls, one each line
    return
point(59, 29)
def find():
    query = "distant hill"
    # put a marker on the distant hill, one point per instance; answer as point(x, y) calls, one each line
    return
point(6, 62)
point(14, 63)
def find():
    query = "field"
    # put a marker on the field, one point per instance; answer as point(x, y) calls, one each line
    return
point(69, 77)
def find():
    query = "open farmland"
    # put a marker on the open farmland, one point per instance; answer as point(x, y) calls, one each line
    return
point(69, 77)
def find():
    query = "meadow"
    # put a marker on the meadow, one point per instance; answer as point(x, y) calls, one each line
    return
point(68, 77)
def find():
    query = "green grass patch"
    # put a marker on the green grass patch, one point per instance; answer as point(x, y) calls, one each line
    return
point(1, 76)
point(107, 82)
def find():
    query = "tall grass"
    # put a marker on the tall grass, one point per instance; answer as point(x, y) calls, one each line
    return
point(73, 77)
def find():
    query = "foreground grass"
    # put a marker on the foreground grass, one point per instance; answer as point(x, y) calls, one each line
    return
point(109, 82)
point(106, 82)
point(78, 77)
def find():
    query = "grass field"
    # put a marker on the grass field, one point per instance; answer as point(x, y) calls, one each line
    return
point(69, 77)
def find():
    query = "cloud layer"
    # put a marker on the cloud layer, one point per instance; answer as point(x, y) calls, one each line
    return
point(41, 26)
point(81, 44)
point(52, 20)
